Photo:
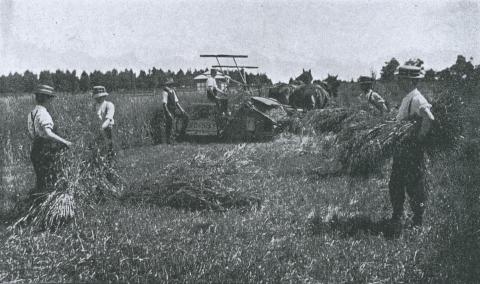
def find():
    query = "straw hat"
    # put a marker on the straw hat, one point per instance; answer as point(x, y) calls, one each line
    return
point(44, 90)
point(99, 91)
point(410, 72)
point(365, 80)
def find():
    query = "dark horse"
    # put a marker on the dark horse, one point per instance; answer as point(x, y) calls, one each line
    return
point(307, 95)
point(282, 91)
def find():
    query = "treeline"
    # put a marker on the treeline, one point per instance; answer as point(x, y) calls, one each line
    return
point(461, 70)
point(113, 80)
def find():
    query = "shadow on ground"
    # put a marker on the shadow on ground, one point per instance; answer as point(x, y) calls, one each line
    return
point(354, 226)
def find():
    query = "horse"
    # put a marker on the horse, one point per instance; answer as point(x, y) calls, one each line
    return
point(282, 91)
point(305, 78)
point(331, 84)
point(309, 97)
point(315, 95)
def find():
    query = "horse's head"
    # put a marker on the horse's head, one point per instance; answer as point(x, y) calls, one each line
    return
point(332, 83)
point(305, 77)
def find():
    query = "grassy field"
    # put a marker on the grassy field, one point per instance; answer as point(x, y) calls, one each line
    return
point(310, 227)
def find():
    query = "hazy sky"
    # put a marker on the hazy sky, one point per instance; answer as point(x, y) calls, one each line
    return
point(348, 38)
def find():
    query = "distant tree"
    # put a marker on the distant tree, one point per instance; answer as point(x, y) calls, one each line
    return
point(16, 82)
point(3, 84)
point(124, 80)
point(61, 81)
point(462, 68)
point(115, 80)
point(142, 80)
point(388, 71)
point(84, 83)
point(430, 75)
point(108, 81)
point(96, 78)
point(46, 78)
point(180, 78)
point(74, 82)
point(414, 62)
point(30, 81)
point(133, 81)
point(444, 75)
point(152, 79)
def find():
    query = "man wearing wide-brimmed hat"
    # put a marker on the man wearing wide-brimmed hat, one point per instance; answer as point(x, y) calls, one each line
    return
point(408, 169)
point(46, 143)
point(104, 111)
point(373, 99)
point(170, 104)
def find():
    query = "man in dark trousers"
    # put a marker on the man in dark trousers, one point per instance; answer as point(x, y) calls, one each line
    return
point(104, 111)
point(46, 144)
point(170, 104)
point(408, 169)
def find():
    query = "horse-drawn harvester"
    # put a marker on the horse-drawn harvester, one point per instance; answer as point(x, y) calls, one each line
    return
point(255, 118)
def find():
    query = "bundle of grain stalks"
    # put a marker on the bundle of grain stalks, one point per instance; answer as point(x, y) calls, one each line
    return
point(366, 149)
point(79, 183)
point(447, 129)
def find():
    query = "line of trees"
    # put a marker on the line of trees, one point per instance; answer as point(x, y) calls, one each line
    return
point(113, 80)
point(461, 70)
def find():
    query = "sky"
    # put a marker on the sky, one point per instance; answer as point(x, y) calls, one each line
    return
point(344, 38)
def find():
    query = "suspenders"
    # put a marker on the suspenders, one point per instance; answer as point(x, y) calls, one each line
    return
point(32, 117)
point(410, 106)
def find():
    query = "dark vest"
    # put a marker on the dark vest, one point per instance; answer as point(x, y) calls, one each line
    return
point(170, 99)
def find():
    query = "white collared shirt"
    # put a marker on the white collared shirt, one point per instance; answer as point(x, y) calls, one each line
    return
point(416, 102)
point(165, 96)
point(211, 83)
point(38, 121)
point(372, 97)
point(105, 110)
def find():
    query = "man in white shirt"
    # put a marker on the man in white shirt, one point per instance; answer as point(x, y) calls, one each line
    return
point(104, 111)
point(170, 103)
point(215, 94)
point(373, 100)
point(408, 168)
point(46, 143)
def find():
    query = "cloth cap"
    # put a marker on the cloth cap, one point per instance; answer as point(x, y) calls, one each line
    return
point(44, 90)
point(365, 80)
point(99, 91)
point(410, 72)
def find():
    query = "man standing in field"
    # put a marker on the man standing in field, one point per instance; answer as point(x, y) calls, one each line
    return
point(372, 99)
point(215, 94)
point(408, 169)
point(104, 111)
point(170, 103)
point(46, 144)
